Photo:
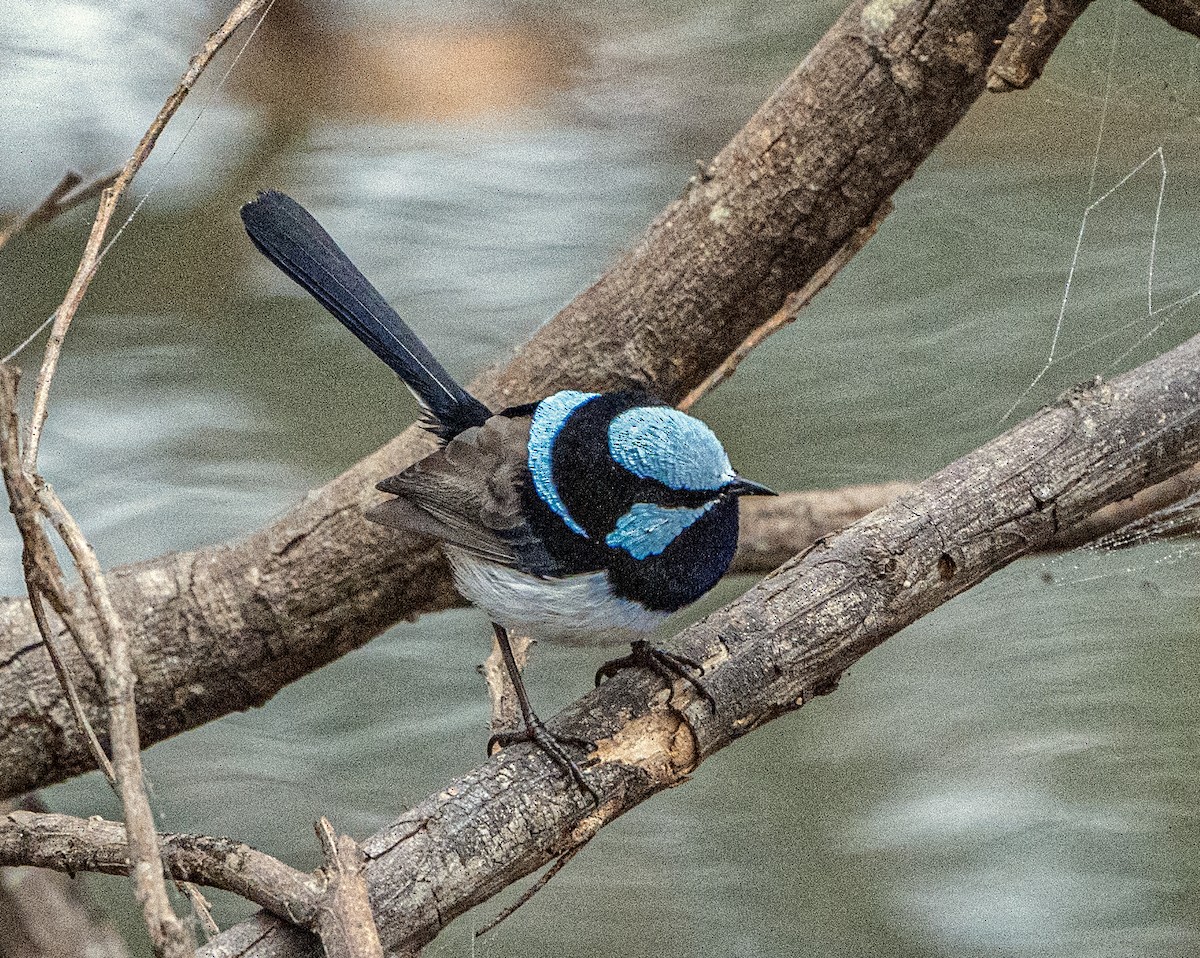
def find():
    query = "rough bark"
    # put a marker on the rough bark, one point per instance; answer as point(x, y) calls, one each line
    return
point(1032, 37)
point(1182, 14)
point(224, 628)
point(771, 651)
point(344, 922)
point(47, 915)
point(63, 842)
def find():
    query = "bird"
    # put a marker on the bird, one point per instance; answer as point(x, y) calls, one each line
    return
point(589, 512)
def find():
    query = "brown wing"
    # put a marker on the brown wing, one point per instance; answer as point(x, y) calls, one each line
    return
point(468, 493)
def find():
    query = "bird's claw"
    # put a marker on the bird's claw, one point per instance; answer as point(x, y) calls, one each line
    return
point(669, 666)
point(552, 744)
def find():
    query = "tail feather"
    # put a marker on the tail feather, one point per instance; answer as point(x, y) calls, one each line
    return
point(289, 236)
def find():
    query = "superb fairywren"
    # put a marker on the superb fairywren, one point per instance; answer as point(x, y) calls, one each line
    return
point(586, 512)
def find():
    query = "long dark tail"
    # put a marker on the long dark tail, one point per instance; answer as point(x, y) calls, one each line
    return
point(289, 236)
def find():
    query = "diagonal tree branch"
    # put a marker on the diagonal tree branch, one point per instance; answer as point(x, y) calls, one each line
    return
point(766, 654)
point(770, 652)
point(1182, 14)
point(224, 628)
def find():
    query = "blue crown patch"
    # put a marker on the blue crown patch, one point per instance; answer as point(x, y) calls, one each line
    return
point(658, 442)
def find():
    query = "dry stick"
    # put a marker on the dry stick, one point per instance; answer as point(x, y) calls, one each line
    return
point(108, 203)
point(47, 914)
point(560, 863)
point(59, 200)
point(36, 599)
point(70, 844)
point(44, 210)
point(168, 933)
point(333, 902)
point(344, 922)
point(1032, 37)
point(43, 577)
point(791, 307)
point(505, 710)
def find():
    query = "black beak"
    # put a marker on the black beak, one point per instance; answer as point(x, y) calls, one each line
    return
point(744, 487)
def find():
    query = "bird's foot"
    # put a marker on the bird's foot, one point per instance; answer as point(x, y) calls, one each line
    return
point(553, 746)
point(669, 666)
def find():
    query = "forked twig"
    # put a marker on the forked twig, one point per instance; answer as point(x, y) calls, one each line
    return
point(108, 204)
point(344, 921)
point(43, 577)
point(71, 844)
point(66, 195)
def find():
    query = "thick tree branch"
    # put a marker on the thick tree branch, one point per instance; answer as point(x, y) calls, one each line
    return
point(225, 628)
point(770, 652)
point(1182, 14)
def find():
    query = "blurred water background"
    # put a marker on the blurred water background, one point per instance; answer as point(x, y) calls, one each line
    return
point(1014, 775)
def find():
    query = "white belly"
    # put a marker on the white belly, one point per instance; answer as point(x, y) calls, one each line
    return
point(546, 608)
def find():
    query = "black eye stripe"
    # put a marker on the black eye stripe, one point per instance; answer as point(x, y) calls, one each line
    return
point(659, 494)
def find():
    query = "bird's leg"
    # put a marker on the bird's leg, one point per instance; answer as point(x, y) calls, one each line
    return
point(534, 730)
point(669, 666)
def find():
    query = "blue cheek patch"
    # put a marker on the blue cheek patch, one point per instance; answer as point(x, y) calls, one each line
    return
point(549, 418)
point(646, 529)
point(658, 442)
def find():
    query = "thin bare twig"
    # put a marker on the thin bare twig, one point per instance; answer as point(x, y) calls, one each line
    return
point(64, 677)
point(70, 844)
point(88, 566)
point(168, 934)
point(43, 577)
point(65, 196)
point(108, 204)
point(560, 863)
